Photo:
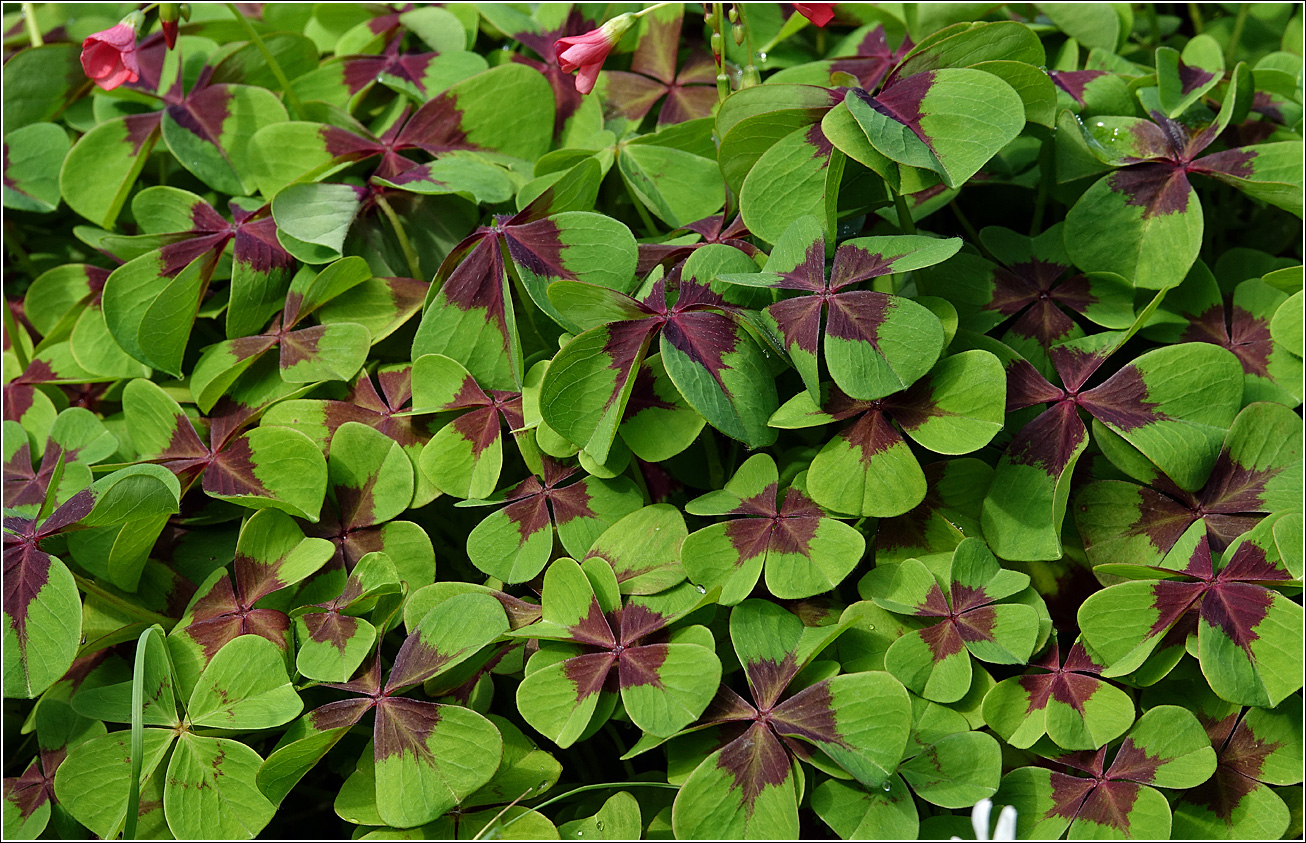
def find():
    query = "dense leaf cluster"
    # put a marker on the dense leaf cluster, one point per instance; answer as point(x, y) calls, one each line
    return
point(807, 432)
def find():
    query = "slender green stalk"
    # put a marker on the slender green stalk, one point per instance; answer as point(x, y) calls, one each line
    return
point(619, 744)
point(91, 589)
point(751, 75)
point(650, 227)
point(292, 99)
point(905, 223)
point(718, 50)
point(502, 811)
point(966, 225)
point(642, 12)
point(1195, 12)
point(29, 21)
point(1154, 24)
point(15, 338)
point(137, 735)
point(1237, 36)
point(401, 234)
point(715, 472)
point(573, 792)
point(1045, 167)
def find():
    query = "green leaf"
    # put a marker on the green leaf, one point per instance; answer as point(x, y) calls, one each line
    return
point(1142, 224)
point(93, 781)
point(677, 185)
point(313, 219)
point(244, 687)
point(39, 83)
point(944, 99)
point(956, 771)
point(210, 134)
point(855, 813)
point(211, 792)
point(101, 168)
point(644, 549)
point(33, 156)
point(43, 614)
point(618, 819)
point(429, 758)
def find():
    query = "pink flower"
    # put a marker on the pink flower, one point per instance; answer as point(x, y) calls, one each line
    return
point(818, 13)
point(587, 52)
point(109, 57)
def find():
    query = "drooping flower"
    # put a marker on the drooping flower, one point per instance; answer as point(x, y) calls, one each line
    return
point(109, 56)
point(587, 52)
point(818, 13)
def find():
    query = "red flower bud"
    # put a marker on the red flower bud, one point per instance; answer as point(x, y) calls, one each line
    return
point(169, 19)
point(818, 13)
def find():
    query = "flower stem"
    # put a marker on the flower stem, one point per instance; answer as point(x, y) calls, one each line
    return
point(1195, 12)
point(573, 792)
point(401, 234)
point(292, 99)
point(29, 21)
point(91, 589)
point(1236, 37)
point(714, 19)
point(751, 75)
point(650, 227)
point(1045, 166)
point(965, 223)
point(905, 223)
point(1154, 24)
point(642, 12)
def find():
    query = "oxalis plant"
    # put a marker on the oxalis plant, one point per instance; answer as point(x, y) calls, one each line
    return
point(653, 420)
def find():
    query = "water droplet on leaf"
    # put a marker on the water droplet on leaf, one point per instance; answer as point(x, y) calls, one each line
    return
point(887, 787)
point(700, 589)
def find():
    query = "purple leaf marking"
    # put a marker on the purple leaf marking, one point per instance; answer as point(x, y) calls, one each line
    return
point(755, 760)
point(1074, 82)
point(873, 58)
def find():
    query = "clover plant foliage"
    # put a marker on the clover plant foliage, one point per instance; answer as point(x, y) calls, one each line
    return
point(652, 420)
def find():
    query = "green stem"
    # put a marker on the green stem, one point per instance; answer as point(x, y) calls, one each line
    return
point(581, 789)
point(401, 234)
point(29, 21)
point(12, 328)
point(91, 589)
point(965, 223)
point(751, 75)
point(1154, 23)
point(642, 12)
point(1238, 24)
point(905, 223)
point(1045, 165)
point(621, 747)
point(14, 245)
point(718, 51)
point(1195, 12)
point(292, 98)
point(650, 227)
point(715, 473)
